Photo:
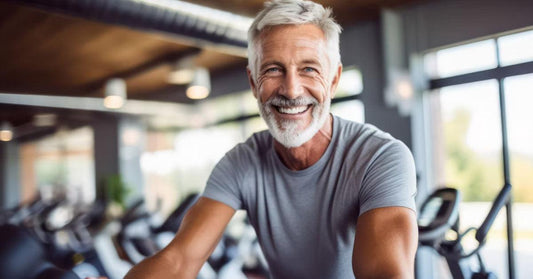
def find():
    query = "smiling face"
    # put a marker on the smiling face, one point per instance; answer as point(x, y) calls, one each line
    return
point(293, 85)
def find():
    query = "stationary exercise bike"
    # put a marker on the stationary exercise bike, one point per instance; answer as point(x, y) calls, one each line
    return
point(23, 257)
point(439, 215)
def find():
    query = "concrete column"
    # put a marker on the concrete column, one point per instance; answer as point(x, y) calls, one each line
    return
point(118, 145)
point(106, 150)
point(361, 45)
point(9, 174)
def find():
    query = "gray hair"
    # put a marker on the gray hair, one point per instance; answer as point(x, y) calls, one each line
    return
point(280, 12)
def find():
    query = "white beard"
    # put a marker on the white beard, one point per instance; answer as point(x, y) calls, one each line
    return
point(287, 132)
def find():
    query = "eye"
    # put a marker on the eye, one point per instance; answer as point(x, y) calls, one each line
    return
point(309, 69)
point(272, 70)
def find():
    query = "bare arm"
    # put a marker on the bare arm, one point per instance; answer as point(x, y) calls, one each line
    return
point(385, 244)
point(198, 235)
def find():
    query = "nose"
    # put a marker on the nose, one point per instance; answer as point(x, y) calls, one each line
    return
point(292, 85)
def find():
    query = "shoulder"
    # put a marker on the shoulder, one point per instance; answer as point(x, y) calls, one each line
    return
point(230, 175)
point(363, 135)
point(252, 149)
point(367, 145)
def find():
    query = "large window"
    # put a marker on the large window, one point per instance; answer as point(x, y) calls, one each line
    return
point(466, 122)
point(176, 164)
point(60, 164)
point(468, 84)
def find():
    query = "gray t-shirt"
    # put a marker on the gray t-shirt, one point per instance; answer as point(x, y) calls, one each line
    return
point(305, 220)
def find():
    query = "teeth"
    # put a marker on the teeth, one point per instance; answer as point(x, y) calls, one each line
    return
point(292, 110)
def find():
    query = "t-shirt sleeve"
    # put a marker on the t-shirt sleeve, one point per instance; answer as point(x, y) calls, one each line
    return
point(390, 179)
point(224, 182)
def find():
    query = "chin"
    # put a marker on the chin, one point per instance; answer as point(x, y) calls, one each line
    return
point(289, 140)
point(289, 133)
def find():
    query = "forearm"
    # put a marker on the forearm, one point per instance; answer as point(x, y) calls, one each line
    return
point(162, 265)
point(401, 273)
point(379, 274)
point(198, 235)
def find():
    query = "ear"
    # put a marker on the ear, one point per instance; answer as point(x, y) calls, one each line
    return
point(335, 81)
point(252, 82)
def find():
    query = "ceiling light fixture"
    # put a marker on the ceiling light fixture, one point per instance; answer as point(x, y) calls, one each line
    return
point(44, 120)
point(200, 86)
point(6, 131)
point(115, 93)
point(183, 71)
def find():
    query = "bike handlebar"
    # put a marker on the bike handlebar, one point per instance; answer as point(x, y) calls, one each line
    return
point(499, 202)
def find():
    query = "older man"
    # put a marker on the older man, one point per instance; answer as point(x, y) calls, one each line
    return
point(328, 198)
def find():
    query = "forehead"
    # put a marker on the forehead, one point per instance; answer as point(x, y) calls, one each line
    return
point(292, 40)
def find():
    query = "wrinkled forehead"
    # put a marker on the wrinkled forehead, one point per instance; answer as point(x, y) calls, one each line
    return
point(295, 38)
point(281, 32)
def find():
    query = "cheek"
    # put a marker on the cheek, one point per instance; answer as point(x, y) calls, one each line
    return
point(265, 89)
point(319, 89)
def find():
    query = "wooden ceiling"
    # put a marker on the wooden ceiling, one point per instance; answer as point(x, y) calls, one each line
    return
point(53, 54)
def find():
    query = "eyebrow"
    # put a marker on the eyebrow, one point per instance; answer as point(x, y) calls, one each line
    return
point(269, 63)
point(311, 62)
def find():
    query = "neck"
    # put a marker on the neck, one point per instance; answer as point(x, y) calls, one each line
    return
point(304, 156)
